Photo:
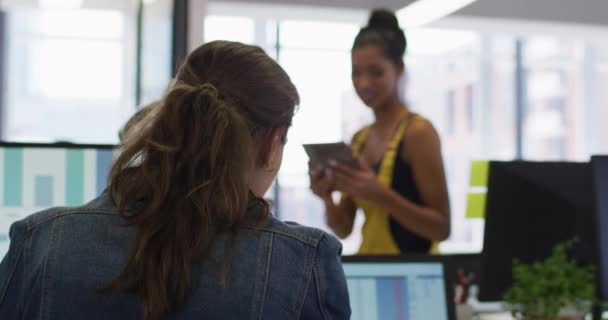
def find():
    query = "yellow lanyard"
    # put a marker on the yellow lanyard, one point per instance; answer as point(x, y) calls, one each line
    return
point(376, 234)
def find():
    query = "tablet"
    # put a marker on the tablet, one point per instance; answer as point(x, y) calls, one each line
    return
point(321, 154)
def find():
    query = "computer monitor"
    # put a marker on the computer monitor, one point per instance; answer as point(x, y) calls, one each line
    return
point(531, 207)
point(34, 177)
point(599, 165)
point(398, 288)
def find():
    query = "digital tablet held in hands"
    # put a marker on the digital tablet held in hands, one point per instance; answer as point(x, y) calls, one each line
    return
point(321, 154)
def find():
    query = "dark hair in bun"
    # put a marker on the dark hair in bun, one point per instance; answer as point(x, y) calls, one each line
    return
point(383, 30)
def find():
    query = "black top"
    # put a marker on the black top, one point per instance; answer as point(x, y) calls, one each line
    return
point(404, 184)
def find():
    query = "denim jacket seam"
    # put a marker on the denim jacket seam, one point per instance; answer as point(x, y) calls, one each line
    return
point(47, 276)
point(12, 272)
point(318, 287)
point(261, 284)
point(27, 248)
point(267, 274)
point(311, 243)
point(44, 284)
point(34, 224)
point(309, 262)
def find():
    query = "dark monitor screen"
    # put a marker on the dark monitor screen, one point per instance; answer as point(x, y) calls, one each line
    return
point(600, 178)
point(531, 207)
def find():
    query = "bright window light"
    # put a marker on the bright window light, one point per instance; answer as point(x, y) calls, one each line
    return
point(240, 29)
point(422, 12)
point(75, 69)
point(60, 4)
point(428, 41)
point(93, 24)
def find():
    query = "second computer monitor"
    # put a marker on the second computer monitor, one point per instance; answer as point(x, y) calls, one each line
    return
point(531, 207)
point(600, 179)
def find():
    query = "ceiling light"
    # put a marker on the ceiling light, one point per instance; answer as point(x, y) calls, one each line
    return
point(421, 12)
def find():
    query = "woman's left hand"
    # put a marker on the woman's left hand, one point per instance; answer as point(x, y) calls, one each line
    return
point(360, 183)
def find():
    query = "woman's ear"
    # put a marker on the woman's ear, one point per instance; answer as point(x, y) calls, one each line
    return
point(272, 149)
point(400, 69)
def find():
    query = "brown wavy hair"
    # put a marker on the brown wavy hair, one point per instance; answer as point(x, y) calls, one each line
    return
point(187, 168)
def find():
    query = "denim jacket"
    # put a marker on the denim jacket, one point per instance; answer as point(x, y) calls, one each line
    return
point(59, 258)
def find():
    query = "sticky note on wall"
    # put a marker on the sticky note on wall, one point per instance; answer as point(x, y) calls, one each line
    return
point(476, 205)
point(479, 173)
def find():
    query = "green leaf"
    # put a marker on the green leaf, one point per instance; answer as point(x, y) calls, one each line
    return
point(543, 288)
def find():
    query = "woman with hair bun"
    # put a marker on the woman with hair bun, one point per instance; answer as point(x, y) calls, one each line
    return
point(401, 183)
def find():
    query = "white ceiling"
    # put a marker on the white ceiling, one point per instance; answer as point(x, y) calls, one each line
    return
point(356, 4)
point(594, 12)
point(591, 12)
point(122, 5)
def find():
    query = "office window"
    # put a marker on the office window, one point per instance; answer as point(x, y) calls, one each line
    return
point(554, 83)
point(240, 29)
point(69, 73)
point(308, 35)
point(249, 30)
point(450, 112)
point(596, 77)
point(496, 108)
point(463, 81)
point(440, 64)
point(317, 57)
point(470, 105)
point(157, 49)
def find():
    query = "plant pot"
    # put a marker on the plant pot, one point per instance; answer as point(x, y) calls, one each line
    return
point(561, 317)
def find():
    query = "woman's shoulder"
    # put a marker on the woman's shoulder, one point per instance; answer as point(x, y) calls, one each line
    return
point(418, 128)
point(418, 122)
point(40, 219)
point(360, 134)
point(420, 134)
point(307, 235)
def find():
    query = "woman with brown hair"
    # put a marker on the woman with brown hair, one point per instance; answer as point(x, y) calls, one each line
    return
point(183, 231)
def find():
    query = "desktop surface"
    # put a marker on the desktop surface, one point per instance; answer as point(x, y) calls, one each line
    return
point(34, 177)
point(398, 288)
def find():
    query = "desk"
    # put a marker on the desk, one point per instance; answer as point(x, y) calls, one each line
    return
point(467, 312)
point(476, 310)
point(496, 316)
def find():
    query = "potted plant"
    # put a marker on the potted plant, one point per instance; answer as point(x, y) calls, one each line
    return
point(557, 288)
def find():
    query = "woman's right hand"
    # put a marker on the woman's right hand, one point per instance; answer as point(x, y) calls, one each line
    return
point(322, 182)
point(340, 216)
